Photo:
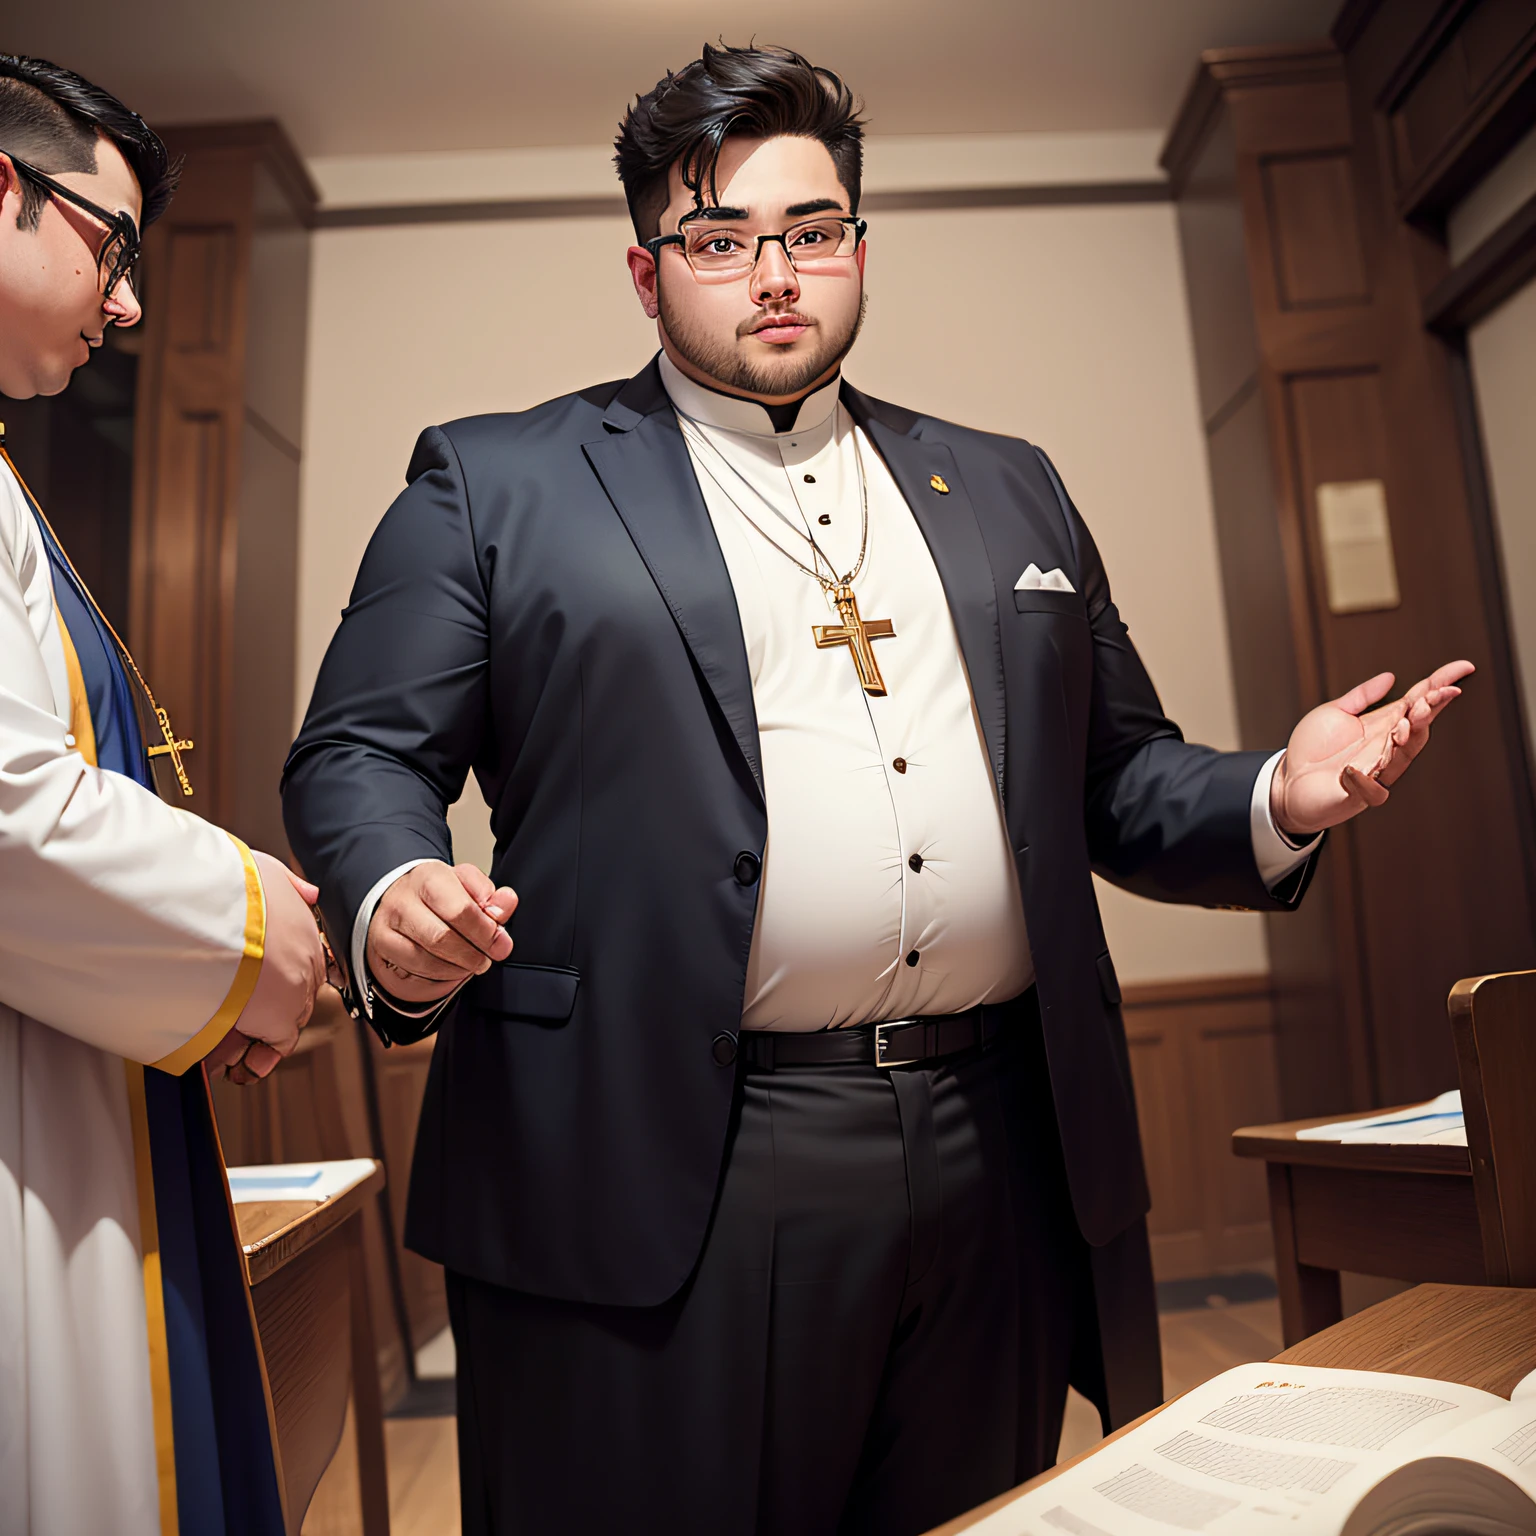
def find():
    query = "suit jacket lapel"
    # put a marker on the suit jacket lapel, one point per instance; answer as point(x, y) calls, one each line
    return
point(644, 467)
point(948, 522)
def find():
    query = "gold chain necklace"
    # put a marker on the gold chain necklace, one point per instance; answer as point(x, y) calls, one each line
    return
point(855, 631)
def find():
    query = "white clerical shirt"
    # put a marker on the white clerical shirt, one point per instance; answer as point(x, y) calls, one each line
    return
point(888, 888)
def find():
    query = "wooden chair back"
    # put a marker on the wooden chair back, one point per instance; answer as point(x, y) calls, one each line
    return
point(1493, 1020)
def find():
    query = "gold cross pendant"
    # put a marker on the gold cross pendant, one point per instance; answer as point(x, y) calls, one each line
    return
point(856, 633)
point(174, 749)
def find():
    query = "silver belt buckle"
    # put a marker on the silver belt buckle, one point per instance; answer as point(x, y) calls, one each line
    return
point(881, 1047)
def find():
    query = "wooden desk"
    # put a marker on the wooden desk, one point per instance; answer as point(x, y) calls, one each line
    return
point(1406, 1212)
point(305, 1262)
point(1482, 1336)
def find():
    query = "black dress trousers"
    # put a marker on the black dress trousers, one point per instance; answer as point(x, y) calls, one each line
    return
point(877, 1337)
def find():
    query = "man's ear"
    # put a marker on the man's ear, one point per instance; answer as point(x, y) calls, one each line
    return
point(642, 272)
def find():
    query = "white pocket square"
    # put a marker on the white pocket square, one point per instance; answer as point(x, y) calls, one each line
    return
point(1036, 580)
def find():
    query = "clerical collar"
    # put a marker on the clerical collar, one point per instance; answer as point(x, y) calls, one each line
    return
point(737, 415)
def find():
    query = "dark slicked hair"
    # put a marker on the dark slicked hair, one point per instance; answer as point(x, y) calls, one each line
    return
point(763, 92)
point(51, 118)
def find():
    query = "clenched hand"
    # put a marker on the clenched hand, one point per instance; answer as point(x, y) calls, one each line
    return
point(435, 927)
point(292, 973)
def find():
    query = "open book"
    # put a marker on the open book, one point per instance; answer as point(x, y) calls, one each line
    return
point(1307, 1451)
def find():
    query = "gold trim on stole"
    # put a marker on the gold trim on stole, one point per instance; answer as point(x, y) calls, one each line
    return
point(239, 994)
point(154, 1304)
point(81, 726)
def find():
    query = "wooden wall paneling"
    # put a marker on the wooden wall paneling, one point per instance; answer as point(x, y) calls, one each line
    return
point(217, 441)
point(186, 465)
point(1458, 94)
point(272, 429)
point(1316, 251)
point(1436, 887)
point(1235, 1076)
point(1477, 838)
point(1230, 252)
point(1170, 1140)
point(400, 1076)
point(1203, 1061)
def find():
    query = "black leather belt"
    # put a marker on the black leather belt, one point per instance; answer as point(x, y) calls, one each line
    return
point(896, 1043)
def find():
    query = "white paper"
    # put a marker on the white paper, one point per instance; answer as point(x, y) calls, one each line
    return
point(296, 1181)
point(1438, 1121)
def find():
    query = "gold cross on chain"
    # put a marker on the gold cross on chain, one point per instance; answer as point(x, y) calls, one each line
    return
point(174, 749)
point(856, 633)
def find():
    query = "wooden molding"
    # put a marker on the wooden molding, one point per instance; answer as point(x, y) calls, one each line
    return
point(1052, 195)
point(267, 140)
point(1500, 266)
point(1450, 114)
point(1195, 990)
point(1222, 70)
point(1353, 18)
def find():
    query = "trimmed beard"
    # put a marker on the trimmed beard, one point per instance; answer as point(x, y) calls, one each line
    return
point(794, 375)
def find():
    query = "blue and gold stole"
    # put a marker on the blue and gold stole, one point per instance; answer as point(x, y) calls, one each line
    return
point(215, 1434)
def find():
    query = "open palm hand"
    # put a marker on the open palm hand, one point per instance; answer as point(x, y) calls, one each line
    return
point(1344, 756)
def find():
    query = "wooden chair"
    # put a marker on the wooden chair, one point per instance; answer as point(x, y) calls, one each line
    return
point(1493, 1020)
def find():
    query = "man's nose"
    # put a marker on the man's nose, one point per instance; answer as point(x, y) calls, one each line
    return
point(774, 275)
point(123, 308)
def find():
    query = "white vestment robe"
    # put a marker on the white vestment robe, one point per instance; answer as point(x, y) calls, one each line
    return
point(131, 933)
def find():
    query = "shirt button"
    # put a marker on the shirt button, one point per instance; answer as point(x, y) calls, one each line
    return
point(915, 862)
point(912, 957)
point(723, 1049)
point(69, 739)
point(748, 868)
point(900, 765)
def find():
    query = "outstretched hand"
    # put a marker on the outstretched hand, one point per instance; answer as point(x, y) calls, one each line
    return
point(1344, 756)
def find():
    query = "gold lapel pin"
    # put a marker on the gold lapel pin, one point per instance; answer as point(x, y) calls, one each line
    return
point(940, 484)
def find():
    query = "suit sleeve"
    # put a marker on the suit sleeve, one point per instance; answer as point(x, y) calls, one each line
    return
point(1165, 818)
point(400, 703)
point(125, 922)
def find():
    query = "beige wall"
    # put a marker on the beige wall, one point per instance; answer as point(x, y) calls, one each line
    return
point(1503, 352)
point(1068, 327)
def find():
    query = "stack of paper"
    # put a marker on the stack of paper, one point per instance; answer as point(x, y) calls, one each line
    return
point(296, 1181)
point(1439, 1122)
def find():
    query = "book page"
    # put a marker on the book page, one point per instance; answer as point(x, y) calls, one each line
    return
point(1282, 1448)
point(1504, 1440)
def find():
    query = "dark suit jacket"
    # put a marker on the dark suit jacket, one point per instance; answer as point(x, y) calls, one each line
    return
point(546, 603)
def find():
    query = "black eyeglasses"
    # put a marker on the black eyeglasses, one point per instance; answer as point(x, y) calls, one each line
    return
point(720, 250)
point(120, 250)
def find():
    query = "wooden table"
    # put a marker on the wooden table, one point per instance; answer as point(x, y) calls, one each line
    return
point(1407, 1212)
point(304, 1259)
point(1480, 1335)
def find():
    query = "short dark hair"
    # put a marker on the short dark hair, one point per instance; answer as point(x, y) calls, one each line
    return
point(685, 118)
point(51, 118)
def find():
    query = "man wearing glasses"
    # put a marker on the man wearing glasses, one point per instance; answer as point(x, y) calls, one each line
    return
point(788, 1170)
point(138, 944)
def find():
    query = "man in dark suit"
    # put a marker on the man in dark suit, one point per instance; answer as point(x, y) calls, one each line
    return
point(789, 1170)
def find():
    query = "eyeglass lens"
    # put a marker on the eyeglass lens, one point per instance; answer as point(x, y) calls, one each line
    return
point(726, 251)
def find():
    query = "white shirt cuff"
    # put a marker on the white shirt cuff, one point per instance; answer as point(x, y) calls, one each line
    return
point(1273, 852)
point(360, 985)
